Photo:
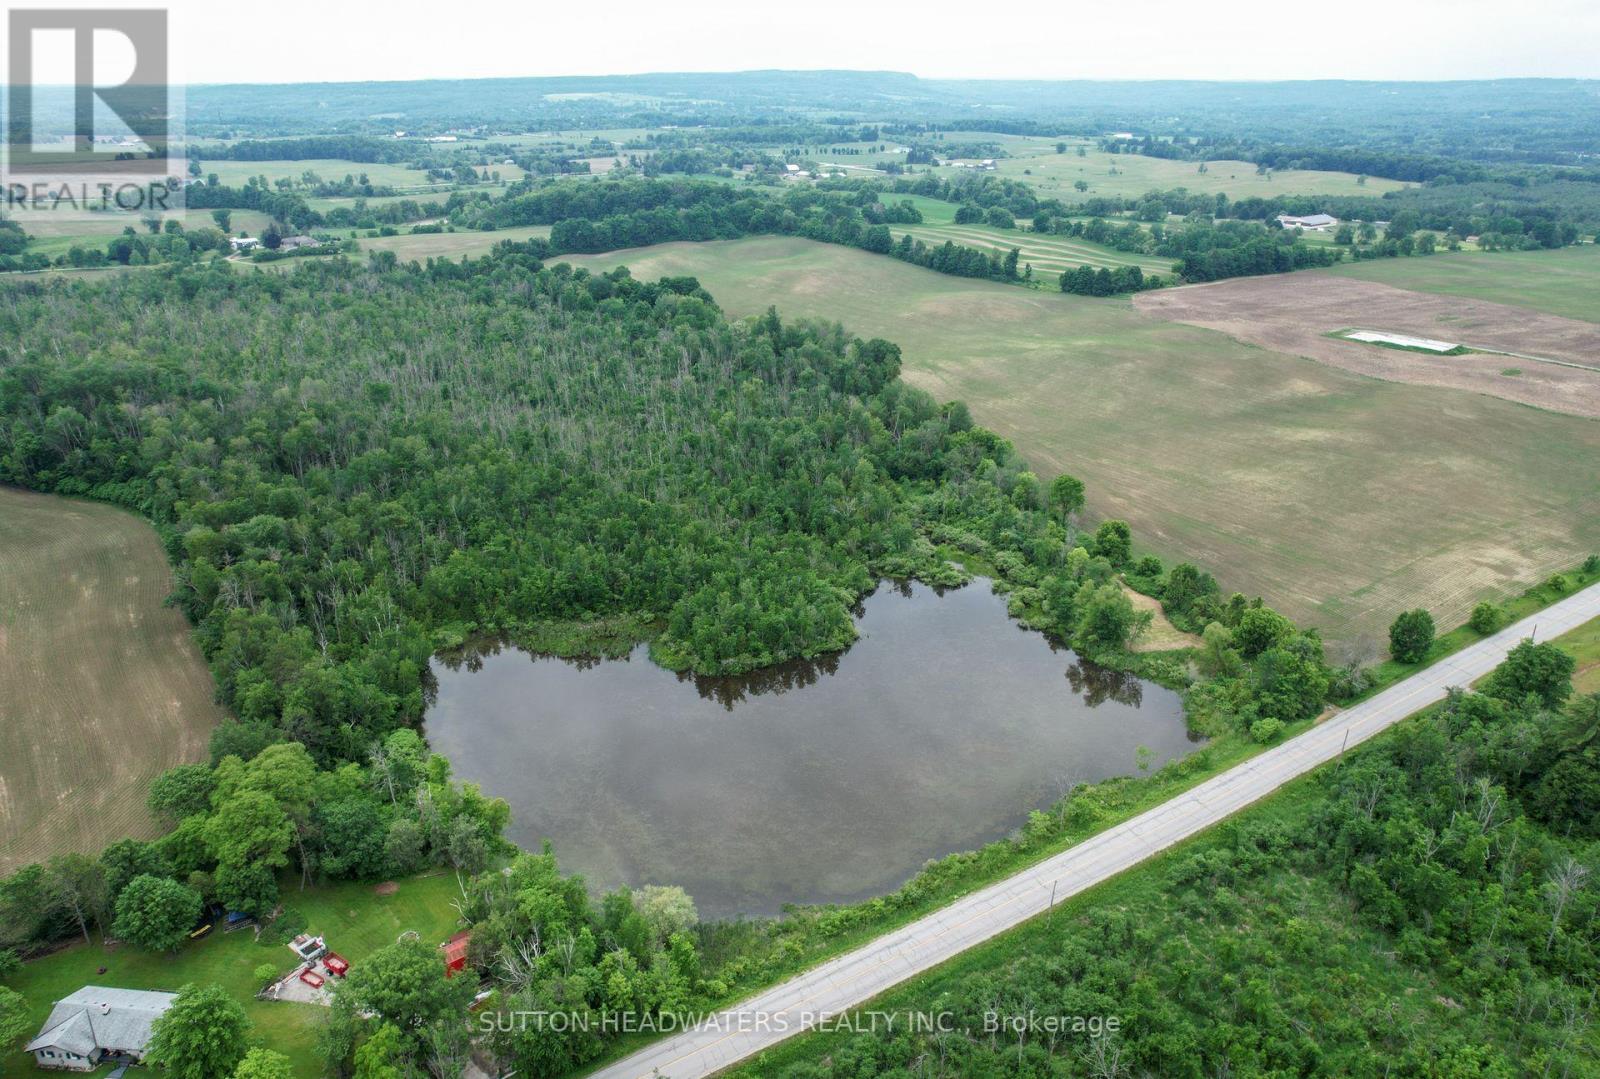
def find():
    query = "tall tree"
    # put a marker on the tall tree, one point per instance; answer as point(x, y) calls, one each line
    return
point(203, 1035)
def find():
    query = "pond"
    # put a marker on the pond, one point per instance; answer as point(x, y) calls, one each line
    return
point(812, 782)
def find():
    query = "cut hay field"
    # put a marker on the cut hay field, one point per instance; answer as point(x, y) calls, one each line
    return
point(447, 244)
point(1047, 254)
point(103, 687)
point(1526, 356)
point(1564, 282)
point(1343, 499)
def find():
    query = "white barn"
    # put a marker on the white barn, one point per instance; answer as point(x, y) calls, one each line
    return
point(97, 1024)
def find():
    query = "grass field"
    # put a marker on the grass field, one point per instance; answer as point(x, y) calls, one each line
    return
point(1584, 644)
point(235, 173)
point(1284, 477)
point(1564, 282)
point(1046, 254)
point(1034, 160)
point(355, 921)
point(448, 244)
point(102, 685)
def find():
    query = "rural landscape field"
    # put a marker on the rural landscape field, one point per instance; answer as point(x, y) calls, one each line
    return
point(104, 688)
point(1278, 473)
point(751, 569)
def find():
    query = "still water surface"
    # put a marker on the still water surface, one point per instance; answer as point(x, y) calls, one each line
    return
point(830, 781)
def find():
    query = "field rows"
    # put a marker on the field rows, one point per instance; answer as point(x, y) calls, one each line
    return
point(103, 687)
point(1052, 253)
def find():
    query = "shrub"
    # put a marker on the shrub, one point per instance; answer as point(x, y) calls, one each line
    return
point(1486, 618)
point(1266, 730)
point(1411, 635)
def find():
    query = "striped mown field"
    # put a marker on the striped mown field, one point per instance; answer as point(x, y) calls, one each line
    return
point(1047, 254)
point(101, 685)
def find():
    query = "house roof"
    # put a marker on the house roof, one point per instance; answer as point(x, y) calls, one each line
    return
point(96, 1017)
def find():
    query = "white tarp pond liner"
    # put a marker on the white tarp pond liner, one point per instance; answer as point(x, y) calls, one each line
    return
point(1403, 340)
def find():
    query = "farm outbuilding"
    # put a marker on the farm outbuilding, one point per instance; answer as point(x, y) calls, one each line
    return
point(455, 952)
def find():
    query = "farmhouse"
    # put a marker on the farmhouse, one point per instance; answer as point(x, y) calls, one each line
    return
point(1317, 222)
point(244, 243)
point(97, 1024)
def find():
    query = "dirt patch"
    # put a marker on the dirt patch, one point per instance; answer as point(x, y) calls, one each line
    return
point(1162, 636)
point(1296, 312)
point(388, 887)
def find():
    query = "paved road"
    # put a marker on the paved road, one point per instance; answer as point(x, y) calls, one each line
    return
point(856, 977)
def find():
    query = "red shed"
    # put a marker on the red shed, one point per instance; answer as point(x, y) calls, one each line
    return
point(337, 964)
point(455, 952)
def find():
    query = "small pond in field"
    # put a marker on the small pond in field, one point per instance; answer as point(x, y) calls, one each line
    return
point(826, 781)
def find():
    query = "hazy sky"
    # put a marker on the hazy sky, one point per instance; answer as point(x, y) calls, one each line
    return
point(317, 40)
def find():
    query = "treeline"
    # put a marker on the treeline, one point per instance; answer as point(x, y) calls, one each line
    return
point(1442, 877)
point(361, 148)
point(636, 212)
point(291, 208)
point(262, 807)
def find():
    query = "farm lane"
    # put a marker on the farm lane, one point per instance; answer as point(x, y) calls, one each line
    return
point(856, 977)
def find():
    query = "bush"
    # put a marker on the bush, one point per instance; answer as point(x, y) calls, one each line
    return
point(1591, 564)
point(1411, 635)
point(1486, 618)
point(1266, 730)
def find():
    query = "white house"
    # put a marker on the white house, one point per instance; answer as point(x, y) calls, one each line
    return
point(244, 243)
point(1316, 222)
point(97, 1024)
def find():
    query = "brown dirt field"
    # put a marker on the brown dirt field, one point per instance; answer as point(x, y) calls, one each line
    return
point(1295, 312)
point(101, 685)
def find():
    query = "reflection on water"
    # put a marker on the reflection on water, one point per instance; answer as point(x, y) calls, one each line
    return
point(812, 781)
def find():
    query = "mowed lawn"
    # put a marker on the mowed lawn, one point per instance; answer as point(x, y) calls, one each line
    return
point(1562, 282)
point(101, 685)
point(355, 921)
point(1341, 499)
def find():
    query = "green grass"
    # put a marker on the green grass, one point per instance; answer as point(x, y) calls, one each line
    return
point(1563, 282)
point(1584, 645)
point(934, 211)
point(235, 173)
point(1280, 475)
point(354, 920)
point(448, 244)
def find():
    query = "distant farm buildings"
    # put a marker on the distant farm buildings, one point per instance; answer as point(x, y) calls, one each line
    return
point(1314, 222)
point(96, 1025)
